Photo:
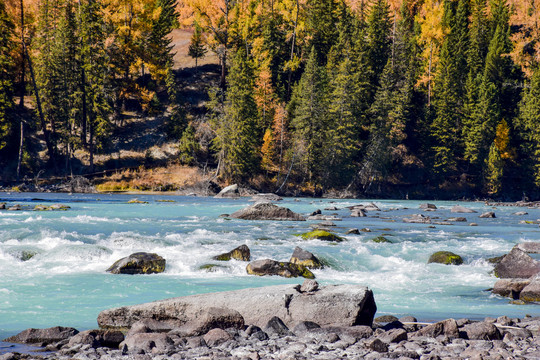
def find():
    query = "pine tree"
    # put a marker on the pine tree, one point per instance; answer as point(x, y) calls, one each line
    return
point(494, 170)
point(196, 47)
point(529, 125)
point(6, 75)
point(378, 38)
point(309, 107)
point(237, 134)
point(159, 45)
point(449, 89)
point(321, 22)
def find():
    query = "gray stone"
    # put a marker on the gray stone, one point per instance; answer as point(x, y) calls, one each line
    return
point(461, 209)
point(305, 326)
point(521, 213)
point(43, 336)
point(358, 213)
point(517, 264)
point(266, 211)
point(148, 343)
point(529, 247)
point(305, 258)
point(531, 292)
point(457, 219)
point(510, 287)
point(208, 319)
point(241, 253)
point(417, 219)
point(353, 232)
point(97, 338)
point(309, 286)
point(428, 206)
point(267, 197)
point(394, 336)
point(276, 326)
point(230, 191)
point(481, 331)
point(488, 215)
point(216, 337)
point(448, 328)
point(378, 345)
point(340, 305)
point(138, 263)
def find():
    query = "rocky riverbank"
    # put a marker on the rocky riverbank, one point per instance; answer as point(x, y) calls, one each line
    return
point(308, 322)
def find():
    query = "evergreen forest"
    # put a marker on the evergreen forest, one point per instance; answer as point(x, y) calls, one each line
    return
point(386, 98)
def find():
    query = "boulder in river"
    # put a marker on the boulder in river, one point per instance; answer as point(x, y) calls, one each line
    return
point(417, 219)
point(488, 215)
point(208, 319)
point(272, 267)
point(445, 257)
point(517, 264)
point(230, 191)
point(139, 263)
point(241, 253)
point(428, 206)
point(266, 211)
point(332, 305)
point(529, 247)
point(510, 287)
point(43, 337)
point(266, 197)
point(305, 258)
point(358, 213)
point(531, 292)
point(321, 235)
point(461, 209)
point(381, 240)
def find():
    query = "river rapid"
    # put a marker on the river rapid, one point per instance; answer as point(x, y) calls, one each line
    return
point(52, 263)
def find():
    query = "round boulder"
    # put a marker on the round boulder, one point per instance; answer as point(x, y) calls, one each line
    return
point(445, 257)
point(321, 235)
point(266, 211)
point(305, 258)
point(138, 263)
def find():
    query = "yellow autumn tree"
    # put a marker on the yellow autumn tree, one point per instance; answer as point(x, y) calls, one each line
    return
point(526, 49)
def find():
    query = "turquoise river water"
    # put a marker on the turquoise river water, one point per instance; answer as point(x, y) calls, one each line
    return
point(65, 282)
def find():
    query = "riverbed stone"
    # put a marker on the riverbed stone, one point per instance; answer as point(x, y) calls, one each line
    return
point(445, 257)
point(147, 343)
point(216, 337)
point(381, 240)
point(43, 336)
point(417, 219)
point(266, 211)
point(138, 263)
point(305, 258)
point(272, 267)
point(461, 209)
point(529, 247)
point(241, 253)
point(481, 331)
point(208, 319)
point(517, 264)
point(266, 197)
point(457, 219)
point(97, 338)
point(428, 206)
point(276, 326)
point(448, 328)
point(338, 305)
point(358, 213)
point(353, 232)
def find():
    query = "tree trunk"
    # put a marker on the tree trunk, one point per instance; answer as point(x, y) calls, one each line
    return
point(46, 134)
point(91, 148)
point(21, 101)
point(84, 111)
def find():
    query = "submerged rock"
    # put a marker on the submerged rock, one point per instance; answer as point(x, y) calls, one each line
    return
point(43, 336)
point(336, 305)
point(517, 264)
point(445, 257)
point(353, 231)
point(417, 219)
point(272, 267)
point(138, 263)
point(381, 240)
point(266, 197)
point(510, 287)
point(241, 253)
point(305, 258)
point(321, 235)
point(266, 211)
point(358, 213)
point(137, 201)
point(461, 209)
point(428, 206)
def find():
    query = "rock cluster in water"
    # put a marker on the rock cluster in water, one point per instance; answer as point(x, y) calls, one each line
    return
point(260, 329)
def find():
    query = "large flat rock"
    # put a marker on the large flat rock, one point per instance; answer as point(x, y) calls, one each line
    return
point(337, 305)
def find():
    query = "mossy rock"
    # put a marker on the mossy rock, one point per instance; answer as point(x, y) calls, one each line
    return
point(212, 267)
point(385, 319)
point(445, 257)
point(139, 263)
point(381, 239)
point(305, 258)
point(166, 201)
point(321, 235)
point(241, 253)
point(272, 267)
point(495, 260)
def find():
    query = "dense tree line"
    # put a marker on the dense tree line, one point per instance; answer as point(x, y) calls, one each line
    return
point(322, 94)
point(439, 93)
